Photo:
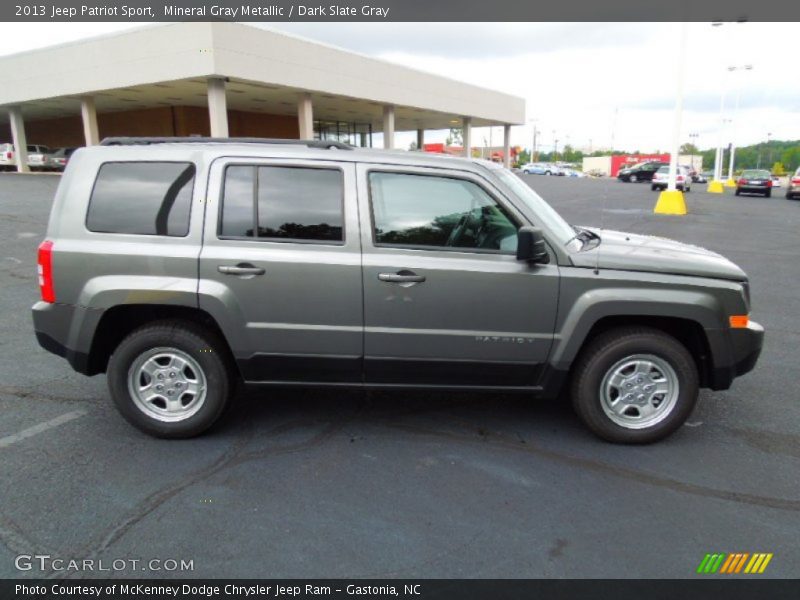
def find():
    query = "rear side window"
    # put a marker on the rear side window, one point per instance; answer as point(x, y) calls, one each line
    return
point(145, 198)
point(283, 203)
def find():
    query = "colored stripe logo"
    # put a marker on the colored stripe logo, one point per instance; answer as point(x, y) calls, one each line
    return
point(734, 563)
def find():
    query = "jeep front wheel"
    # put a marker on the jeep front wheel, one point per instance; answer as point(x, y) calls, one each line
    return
point(170, 379)
point(634, 385)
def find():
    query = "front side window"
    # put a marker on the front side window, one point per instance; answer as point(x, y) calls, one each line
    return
point(283, 203)
point(145, 198)
point(439, 212)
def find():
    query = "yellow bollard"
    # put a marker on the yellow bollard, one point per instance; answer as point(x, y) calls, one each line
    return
point(670, 202)
point(730, 183)
point(715, 187)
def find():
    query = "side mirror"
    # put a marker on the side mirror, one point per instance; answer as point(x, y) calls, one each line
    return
point(531, 246)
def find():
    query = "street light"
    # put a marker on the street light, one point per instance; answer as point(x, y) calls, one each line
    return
point(671, 201)
point(533, 144)
point(731, 182)
point(693, 141)
point(716, 185)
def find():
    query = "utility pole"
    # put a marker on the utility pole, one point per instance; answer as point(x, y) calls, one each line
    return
point(730, 181)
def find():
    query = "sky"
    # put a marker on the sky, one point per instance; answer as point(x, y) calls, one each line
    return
point(590, 85)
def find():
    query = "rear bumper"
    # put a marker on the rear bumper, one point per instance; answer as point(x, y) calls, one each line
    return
point(754, 188)
point(66, 331)
point(734, 353)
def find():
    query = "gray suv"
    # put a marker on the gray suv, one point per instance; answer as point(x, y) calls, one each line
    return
point(183, 267)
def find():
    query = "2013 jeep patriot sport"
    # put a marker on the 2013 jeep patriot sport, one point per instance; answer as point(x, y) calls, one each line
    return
point(180, 269)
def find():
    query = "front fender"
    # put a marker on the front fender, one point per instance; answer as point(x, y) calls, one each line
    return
point(593, 305)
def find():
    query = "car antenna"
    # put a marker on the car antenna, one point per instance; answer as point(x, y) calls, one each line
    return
point(602, 226)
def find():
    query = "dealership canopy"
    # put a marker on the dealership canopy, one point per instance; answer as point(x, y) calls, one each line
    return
point(228, 79)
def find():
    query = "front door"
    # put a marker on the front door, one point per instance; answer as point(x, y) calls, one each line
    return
point(445, 300)
point(280, 268)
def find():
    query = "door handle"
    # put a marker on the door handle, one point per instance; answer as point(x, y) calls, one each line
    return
point(243, 269)
point(401, 277)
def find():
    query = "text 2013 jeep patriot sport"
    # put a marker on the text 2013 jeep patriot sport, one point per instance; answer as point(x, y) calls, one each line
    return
point(182, 267)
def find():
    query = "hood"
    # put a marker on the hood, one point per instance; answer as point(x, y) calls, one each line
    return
point(632, 252)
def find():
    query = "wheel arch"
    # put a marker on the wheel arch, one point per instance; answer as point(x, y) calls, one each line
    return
point(119, 321)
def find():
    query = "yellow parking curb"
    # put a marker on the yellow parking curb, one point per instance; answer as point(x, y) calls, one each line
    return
point(731, 183)
point(670, 202)
point(715, 187)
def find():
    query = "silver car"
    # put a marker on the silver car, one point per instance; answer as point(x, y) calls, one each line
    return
point(38, 156)
point(184, 268)
point(683, 179)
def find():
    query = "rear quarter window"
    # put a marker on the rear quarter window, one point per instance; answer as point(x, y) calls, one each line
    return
point(144, 198)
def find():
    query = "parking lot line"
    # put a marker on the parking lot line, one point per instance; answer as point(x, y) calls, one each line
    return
point(40, 428)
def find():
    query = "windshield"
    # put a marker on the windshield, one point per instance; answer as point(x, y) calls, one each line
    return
point(546, 214)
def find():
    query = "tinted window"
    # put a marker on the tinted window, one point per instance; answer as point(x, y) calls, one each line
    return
point(292, 203)
point(148, 198)
point(423, 210)
point(756, 174)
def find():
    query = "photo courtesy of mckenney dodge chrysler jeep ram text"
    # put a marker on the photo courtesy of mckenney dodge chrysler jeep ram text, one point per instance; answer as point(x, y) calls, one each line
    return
point(182, 267)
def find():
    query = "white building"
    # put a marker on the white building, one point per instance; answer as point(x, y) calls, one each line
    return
point(228, 79)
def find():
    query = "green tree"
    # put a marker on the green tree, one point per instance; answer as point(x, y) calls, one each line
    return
point(456, 137)
point(689, 149)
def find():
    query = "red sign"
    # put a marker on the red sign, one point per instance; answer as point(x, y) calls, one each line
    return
point(622, 161)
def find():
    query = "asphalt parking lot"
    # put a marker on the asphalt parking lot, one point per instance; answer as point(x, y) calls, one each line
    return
point(348, 484)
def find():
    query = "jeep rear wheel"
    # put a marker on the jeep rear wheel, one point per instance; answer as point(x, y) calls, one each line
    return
point(170, 379)
point(634, 385)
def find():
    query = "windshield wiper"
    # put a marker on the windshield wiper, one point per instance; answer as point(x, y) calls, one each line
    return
point(584, 235)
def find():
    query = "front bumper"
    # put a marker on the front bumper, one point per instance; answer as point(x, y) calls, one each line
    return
point(734, 353)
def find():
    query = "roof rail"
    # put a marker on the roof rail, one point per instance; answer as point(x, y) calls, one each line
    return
point(146, 141)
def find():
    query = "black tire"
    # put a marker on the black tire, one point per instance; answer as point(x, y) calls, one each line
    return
point(738, 192)
point(199, 344)
point(653, 188)
point(768, 194)
point(607, 350)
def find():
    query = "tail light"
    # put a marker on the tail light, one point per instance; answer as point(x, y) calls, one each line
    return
point(45, 268)
point(769, 182)
point(680, 178)
point(795, 180)
point(9, 155)
point(742, 181)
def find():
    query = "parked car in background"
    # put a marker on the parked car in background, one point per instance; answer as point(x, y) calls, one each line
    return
point(37, 156)
point(574, 173)
point(683, 179)
point(7, 160)
point(705, 177)
point(754, 181)
point(641, 172)
point(541, 169)
point(59, 158)
point(776, 181)
point(793, 187)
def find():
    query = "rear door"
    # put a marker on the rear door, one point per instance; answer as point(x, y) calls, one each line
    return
point(280, 268)
point(445, 300)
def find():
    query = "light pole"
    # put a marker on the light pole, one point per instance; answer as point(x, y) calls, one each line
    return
point(731, 182)
point(555, 147)
point(769, 152)
point(671, 201)
point(716, 185)
point(533, 141)
point(693, 141)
